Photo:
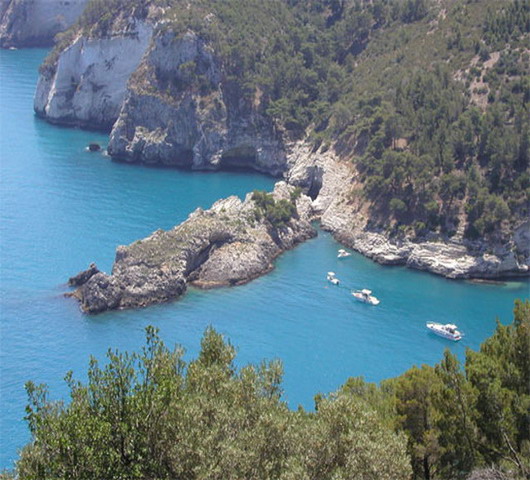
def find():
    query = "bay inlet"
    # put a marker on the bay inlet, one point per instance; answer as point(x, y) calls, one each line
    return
point(62, 207)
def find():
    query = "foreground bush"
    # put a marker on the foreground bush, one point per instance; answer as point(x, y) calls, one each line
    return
point(151, 416)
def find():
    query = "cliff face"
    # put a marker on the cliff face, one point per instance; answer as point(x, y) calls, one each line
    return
point(171, 99)
point(172, 106)
point(180, 110)
point(343, 211)
point(28, 23)
point(226, 245)
point(87, 84)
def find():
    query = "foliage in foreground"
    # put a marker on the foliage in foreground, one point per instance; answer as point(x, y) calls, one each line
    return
point(152, 416)
point(459, 419)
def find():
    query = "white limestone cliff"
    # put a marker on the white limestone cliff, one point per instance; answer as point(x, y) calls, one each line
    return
point(87, 85)
point(27, 23)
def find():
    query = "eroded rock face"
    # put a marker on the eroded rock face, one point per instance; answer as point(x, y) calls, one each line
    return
point(82, 277)
point(225, 245)
point(170, 103)
point(344, 216)
point(87, 85)
point(29, 23)
point(181, 111)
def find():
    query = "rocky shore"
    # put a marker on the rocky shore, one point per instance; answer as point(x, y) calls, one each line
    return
point(343, 212)
point(229, 244)
point(226, 245)
point(167, 100)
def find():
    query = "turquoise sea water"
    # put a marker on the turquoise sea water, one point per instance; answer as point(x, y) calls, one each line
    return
point(62, 207)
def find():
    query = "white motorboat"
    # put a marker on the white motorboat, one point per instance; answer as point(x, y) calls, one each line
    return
point(365, 296)
point(448, 330)
point(332, 278)
point(343, 253)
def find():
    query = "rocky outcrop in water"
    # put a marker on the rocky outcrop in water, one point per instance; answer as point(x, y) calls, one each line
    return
point(169, 101)
point(82, 277)
point(225, 245)
point(30, 23)
point(228, 245)
point(86, 84)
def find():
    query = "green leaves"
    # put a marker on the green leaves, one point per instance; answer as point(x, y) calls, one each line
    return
point(276, 212)
point(147, 415)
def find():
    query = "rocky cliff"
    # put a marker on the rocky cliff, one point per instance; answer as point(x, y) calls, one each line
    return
point(172, 106)
point(229, 244)
point(342, 210)
point(28, 23)
point(87, 82)
point(171, 95)
point(181, 110)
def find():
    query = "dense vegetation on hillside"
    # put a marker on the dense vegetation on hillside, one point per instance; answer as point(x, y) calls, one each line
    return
point(149, 415)
point(429, 99)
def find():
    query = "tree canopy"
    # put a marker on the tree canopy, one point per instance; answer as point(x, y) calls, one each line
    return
point(151, 415)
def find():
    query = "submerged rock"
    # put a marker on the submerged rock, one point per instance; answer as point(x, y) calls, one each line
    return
point(94, 147)
point(225, 245)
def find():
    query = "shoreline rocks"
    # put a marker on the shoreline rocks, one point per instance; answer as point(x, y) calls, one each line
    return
point(167, 101)
point(225, 245)
point(84, 276)
point(345, 216)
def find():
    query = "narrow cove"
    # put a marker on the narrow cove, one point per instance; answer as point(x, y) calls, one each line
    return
point(62, 207)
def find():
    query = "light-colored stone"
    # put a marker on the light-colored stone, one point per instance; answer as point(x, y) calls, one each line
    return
point(167, 120)
point(225, 245)
point(27, 23)
point(87, 86)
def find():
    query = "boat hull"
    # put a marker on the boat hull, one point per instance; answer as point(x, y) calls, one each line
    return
point(437, 330)
point(369, 301)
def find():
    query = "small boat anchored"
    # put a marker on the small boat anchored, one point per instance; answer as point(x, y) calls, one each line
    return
point(332, 278)
point(448, 330)
point(365, 296)
point(343, 253)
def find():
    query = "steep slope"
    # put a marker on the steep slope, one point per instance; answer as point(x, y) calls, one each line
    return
point(30, 23)
point(421, 105)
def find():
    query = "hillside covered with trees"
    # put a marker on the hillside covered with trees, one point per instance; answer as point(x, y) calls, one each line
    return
point(428, 99)
point(151, 415)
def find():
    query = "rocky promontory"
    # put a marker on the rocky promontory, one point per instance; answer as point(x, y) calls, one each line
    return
point(188, 85)
point(231, 243)
point(34, 23)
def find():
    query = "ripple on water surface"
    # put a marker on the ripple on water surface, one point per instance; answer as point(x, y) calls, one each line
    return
point(62, 207)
